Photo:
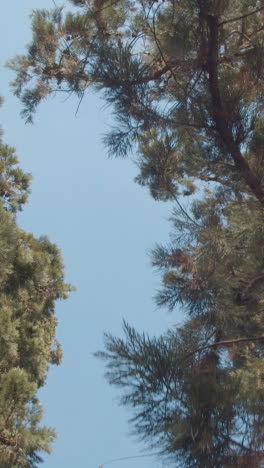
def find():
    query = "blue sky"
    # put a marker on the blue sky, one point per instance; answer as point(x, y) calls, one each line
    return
point(105, 224)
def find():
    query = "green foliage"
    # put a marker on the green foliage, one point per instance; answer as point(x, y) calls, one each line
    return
point(31, 281)
point(186, 404)
point(14, 183)
point(198, 391)
point(156, 67)
point(185, 81)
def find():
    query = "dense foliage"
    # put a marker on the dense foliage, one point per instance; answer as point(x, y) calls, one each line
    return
point(185, 79)
point(31, 281)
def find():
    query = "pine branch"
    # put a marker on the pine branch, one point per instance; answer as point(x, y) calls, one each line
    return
point(251, 284)
point(238, 444)
point(144, 79)
point(235, 442)
point(218, 112)
point(225, 343)
point(185, 213)
point(241, 17)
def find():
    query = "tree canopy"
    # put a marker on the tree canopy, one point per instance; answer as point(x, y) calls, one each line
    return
point(185, 81)
point(184, 77)
point(31, 281)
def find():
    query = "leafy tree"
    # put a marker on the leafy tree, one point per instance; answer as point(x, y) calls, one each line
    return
point(31, 281)
point(185, 79)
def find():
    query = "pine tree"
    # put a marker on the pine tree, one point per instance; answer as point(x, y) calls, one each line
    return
point(31, 281)
point(186, 76)
point(185, 79)
point(198, 391)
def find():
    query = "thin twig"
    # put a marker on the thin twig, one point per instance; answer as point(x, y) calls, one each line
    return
point(183, 210)
point(185, 213)
point(79, 103)
point(131, 457)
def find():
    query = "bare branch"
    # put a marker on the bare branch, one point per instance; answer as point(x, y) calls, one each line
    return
point(225, 343)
